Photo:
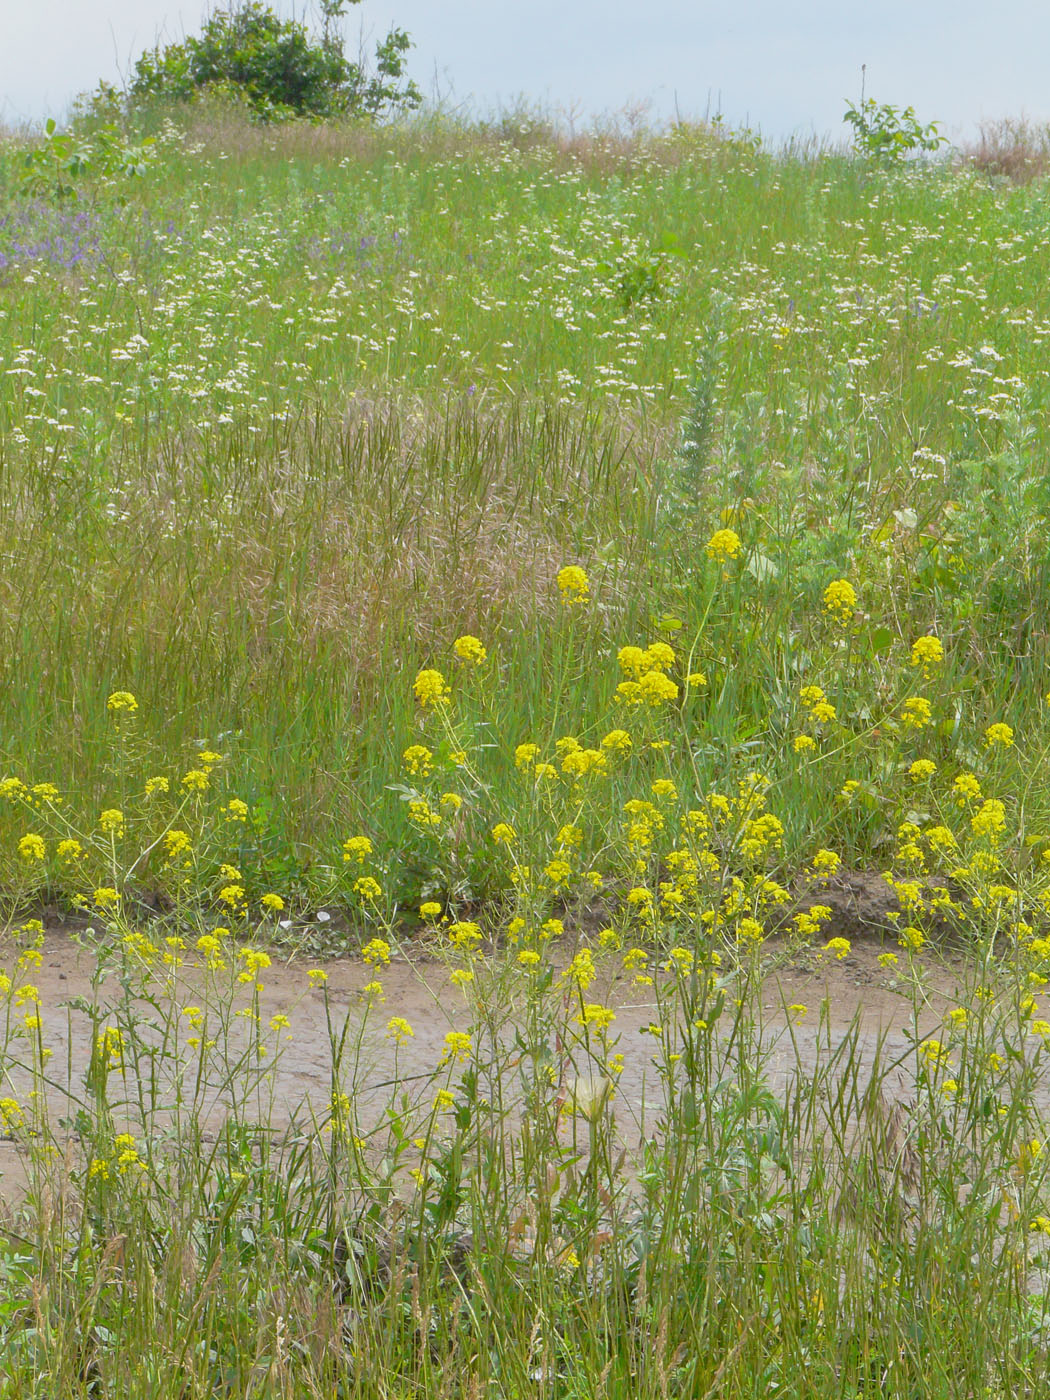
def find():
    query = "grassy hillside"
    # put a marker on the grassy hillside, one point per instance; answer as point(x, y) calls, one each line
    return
point(288, 415)
point(582, 566)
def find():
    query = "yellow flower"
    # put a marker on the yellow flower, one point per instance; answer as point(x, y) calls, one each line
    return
point(376, 952)
point(989, 820)
point(176, 843)
point(839, 947)
point(581, 970)
point(933, 1052)
point(617, 741)
point(558, 871)
point(803, 744)
point(11, 1114)
point(922, 770)
point(106, 897)
point(358, 848)
point(31, 847)
point(69, 849)
point(680, 960)
point(927, 652)
point(501, 832)
point(430, 688)
point(655, 688)
point(525, 754)
point(966, 789)
point(122, 700)
point(633, 661)
point(469, 649)
point(809, 922)
point(750, 931)
point(916, 712)
point(366, 888)
point(723, 546)
point(236, 810)
point(595, 1015)
point(578, 763)
point(825, 863)
point(155, 785)
point(273, 902)
point(464, 935)
point(110, 1045)
point(196, 780)
point(232, 896)
point(840, 600)
point(418, 759)
point(399, 1030)
point(112, 821)
point(457, 1046)
point(452, 800)
point(255, 960)
point(998, 736)
point(317, 975)
point(573, 585)
point(429, 909)
point(696, 680)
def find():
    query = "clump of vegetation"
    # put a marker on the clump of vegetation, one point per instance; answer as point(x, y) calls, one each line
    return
point(277, 68)
point(58, 166)
point(411, 549)
point(1018, 150)
point(890, 134)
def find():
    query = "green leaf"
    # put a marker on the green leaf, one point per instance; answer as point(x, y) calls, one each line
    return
point(761, 568)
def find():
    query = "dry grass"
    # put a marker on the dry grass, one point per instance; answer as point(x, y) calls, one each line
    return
point(616, 141)
point(1013, 148)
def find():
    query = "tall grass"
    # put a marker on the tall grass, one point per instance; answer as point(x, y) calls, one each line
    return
point(309, 404)
point(565, 559)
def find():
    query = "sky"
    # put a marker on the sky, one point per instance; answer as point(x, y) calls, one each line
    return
point(784, 67)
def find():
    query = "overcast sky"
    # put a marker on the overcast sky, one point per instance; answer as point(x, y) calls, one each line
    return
point(785, 66)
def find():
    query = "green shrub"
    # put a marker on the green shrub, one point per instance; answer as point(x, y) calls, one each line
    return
point(888, 134)
point(277, 67)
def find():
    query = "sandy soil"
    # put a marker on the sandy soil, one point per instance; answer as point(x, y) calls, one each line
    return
point(855, 993)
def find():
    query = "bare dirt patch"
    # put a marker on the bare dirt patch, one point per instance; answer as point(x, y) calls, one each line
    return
point(852, 997)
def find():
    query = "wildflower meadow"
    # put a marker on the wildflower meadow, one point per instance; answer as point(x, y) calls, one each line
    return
point(524, 785)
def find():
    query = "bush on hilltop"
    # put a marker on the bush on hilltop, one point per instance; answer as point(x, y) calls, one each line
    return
point(277, 67)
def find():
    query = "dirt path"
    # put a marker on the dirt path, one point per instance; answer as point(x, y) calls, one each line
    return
point(854, 993)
